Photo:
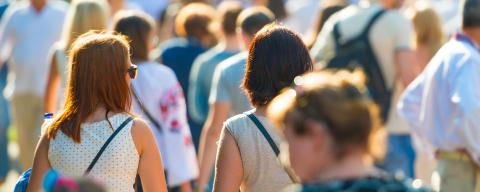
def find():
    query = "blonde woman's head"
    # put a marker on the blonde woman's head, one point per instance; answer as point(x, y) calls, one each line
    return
point(428, 28)
point(326, 118)
point(83, 16)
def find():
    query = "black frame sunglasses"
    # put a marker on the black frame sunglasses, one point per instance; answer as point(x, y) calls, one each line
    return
point(132, 71)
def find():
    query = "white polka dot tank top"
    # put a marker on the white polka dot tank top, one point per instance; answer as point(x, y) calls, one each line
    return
point(117, 167)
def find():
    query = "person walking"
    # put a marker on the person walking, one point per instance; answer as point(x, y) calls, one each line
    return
point(158, 98)
point(334, 133)
point(27, 32)
point(246, 159)
point(442, 105)
point(84, 15)
point(97, 113)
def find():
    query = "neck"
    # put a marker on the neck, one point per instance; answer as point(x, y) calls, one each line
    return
point(38, 5)
point(474, 34)
point(260, 111)
point(355, 165)
point(231, 43)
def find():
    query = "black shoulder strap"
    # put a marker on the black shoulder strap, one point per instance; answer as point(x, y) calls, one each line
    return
point(106, 144)
point(372, 21)
point(145, 111)
point(267, 136)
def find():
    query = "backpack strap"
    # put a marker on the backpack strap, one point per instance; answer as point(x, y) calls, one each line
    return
point(145, 111)
point(109, 140)
point(372, 21)
point(270, 141)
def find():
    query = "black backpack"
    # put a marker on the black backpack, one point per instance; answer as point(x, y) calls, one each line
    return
point(358, 53)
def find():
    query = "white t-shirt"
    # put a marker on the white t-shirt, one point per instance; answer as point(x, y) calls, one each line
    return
point(157, 87)
point(26, 37)
point(390, 33)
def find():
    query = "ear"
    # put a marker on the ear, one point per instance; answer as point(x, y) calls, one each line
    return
point(318, 134)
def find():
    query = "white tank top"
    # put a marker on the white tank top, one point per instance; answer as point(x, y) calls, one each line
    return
point(116, 168)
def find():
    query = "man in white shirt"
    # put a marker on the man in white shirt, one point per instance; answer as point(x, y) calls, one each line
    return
point(27, 32)
point(443, 105)
point(390, 38)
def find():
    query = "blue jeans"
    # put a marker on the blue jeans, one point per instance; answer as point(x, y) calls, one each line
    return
point(4, 124)
point(400, 156)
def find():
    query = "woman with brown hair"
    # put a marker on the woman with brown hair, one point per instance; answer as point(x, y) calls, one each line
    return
point(245, 159)
point(333, 132)
point(96, 113)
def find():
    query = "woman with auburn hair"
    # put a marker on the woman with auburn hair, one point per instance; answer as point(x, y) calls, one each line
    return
point(84, 15)
point(245, 159)
point(96, 114)
point(333, 132)
point(158, 97)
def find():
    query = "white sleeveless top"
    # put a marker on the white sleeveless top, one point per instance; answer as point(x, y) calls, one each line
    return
point(116, 168)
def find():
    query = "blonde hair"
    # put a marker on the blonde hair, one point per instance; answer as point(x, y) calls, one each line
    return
point(338, 99)
point(428, 29)
point(83, 16)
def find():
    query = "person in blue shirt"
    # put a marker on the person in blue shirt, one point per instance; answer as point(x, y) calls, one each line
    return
point(193, 38)
point(202, 70)
point(4, 117)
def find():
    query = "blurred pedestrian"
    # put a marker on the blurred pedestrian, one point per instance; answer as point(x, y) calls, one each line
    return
point(158, 98)
point(97, 114)
point(83, 16)
point(334, 132)
point(192, 25)
point(429, 36)
point(27, 32)
point(247, 158)
point(226, 98)
point(442, 105)
point(204, 65)
point(4, 117)
point(386, 36)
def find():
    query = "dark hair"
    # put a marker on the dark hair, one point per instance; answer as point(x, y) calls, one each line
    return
point(228, 14)
point(136, 26)
point(278, 9)
point(276, 56)
point(253, 19)
point(471, 14)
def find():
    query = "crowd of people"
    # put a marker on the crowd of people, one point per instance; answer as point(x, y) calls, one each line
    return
point(241, 95)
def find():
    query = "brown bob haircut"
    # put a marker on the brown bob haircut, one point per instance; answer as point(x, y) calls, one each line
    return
point(136, 26)
point(276, 56)
point(97, 76)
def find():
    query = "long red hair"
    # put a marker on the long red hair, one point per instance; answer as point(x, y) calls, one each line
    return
point(97, 77)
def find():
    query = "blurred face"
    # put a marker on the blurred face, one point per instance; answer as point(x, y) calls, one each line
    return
point(393, 4)
point(309, 153)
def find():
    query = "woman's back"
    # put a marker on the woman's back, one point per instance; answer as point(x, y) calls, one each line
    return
point(261, 169)
point(116, 168)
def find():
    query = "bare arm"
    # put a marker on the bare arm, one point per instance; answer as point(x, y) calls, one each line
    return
point(40, 165)
point(211, 132)
point(229, 168)
point(150, 167)
point(53, 85)
point(405, 64)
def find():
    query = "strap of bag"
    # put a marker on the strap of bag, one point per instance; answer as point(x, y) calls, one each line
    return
point(365, 32)
point(145, 111)
point(270, 141)
point(115, 133)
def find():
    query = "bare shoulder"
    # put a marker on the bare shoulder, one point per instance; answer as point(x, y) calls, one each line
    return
point(141, 133)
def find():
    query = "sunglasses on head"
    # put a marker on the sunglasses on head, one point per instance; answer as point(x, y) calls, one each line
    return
point(132, 71)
